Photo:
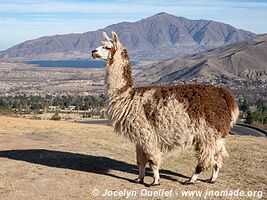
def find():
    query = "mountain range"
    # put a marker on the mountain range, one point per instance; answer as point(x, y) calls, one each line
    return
point(161, 36)
point(246, 60)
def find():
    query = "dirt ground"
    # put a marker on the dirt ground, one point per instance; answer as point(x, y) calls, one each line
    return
point(64, 160)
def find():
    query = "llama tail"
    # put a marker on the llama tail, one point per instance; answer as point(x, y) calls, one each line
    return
point(235, 114)
point(232, 104)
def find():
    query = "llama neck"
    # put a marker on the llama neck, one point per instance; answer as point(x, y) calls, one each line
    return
point(119, 76)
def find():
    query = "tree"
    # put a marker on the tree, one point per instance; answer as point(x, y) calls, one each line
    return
point(3, 103)
point(244, 105)
point(249, 118)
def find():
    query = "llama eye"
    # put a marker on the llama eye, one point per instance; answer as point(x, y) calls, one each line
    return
point(108, 48)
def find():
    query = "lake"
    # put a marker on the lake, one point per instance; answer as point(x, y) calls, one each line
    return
point(70, 63)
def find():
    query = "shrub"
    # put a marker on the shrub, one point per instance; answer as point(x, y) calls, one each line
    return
point(56, 117)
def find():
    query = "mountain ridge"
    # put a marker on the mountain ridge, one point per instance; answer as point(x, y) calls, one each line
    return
point(160, 36)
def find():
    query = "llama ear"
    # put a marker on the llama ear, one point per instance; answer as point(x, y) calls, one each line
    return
point(115, 37)
point(106, 36)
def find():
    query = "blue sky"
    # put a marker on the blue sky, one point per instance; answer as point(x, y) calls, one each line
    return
point(22, 20)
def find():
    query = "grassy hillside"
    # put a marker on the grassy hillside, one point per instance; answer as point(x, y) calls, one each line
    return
point(63, 160)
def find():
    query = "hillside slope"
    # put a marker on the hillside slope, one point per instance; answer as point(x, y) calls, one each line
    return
point(242, 60)
point(64, 160)
point(160, 36)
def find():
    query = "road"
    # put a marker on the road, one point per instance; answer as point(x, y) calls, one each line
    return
point(236, 130)
point(94, 121)
point(245, 130)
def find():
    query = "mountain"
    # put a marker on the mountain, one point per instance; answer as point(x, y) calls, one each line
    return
point(158, 37)
point(245, 60)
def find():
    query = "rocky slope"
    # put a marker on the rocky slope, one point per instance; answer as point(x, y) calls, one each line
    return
point(242, 60)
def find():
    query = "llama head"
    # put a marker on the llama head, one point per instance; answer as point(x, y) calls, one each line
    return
point(108, 47)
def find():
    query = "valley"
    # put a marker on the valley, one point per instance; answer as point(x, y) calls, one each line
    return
point(19, 78)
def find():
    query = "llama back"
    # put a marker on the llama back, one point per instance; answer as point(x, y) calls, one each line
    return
point(214, 105)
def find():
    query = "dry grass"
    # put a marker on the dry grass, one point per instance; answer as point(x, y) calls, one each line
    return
point(260, 125)
point(63, 160)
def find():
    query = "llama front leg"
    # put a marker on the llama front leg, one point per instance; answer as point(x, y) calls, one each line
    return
point(141, 163)
point(155, 169)
point(154, 163)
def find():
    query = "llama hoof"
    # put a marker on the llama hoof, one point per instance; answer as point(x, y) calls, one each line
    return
point(210, 181)
point(187, 183)
point(154, 184)
point(139, 180)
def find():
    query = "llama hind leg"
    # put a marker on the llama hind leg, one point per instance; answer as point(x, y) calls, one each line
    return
point(215, 172)
point(205, 156)
point(195, 175)
point(141, 163)
point(220, 155)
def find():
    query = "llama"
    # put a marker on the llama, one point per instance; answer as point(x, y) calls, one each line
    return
point(158, 119)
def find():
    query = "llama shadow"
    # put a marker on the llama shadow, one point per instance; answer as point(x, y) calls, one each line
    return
point(81, 162)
